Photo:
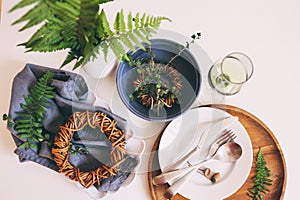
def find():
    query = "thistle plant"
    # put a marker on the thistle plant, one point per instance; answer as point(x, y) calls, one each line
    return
point(81, 26)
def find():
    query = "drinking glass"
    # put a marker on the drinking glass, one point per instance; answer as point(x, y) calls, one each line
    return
point(228, 75)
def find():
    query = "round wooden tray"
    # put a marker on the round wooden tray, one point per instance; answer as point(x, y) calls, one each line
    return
point(261, 136)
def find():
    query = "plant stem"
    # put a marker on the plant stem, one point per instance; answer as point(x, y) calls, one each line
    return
point(187, 46)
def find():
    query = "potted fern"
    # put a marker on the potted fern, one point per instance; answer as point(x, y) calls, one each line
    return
point(82, 27)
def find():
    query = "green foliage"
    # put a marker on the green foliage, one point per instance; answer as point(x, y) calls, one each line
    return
point(194, 37)
point(29, 122)
point(77, 25)
point(9, 120)
point(158, 84)
point(74, 149)
point(261, 179)
point(124, 35)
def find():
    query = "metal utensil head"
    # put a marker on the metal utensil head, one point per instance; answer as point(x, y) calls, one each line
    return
point(229, 152)
point(223, 125)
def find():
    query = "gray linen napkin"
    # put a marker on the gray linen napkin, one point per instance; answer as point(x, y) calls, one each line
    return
point(72, 93)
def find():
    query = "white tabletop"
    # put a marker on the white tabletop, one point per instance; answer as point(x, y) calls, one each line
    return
point(267, 31)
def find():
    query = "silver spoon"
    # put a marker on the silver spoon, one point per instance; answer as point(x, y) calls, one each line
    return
point(228, 152)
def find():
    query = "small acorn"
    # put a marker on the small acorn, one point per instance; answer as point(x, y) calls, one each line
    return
point(215, 177)
point(206, 172)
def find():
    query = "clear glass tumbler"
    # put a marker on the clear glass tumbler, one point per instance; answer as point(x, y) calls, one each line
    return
point(228, 75)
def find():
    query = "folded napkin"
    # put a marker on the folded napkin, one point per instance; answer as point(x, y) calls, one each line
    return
point(71, 96)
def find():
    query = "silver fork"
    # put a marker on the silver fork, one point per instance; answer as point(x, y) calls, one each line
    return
point(170, 176)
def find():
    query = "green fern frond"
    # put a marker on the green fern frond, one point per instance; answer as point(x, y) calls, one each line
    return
point(150, 30)
point(127, 42)
point(129, 21)
point(143, 19)
point(119, 23)
point(77, 25)
point(117, 48)
point(86, 23)
point(74, 4)
point(35, 37)
point(142, 37)
point(137, 20)
point(23, 4)
point(104, 29)
point(104, 47)
point(66, 10)
point(78, 63)
point(34, 16)
point(135, 34)
point(146, 32)
point(29, 122)
point(52, 39)
point(135, 40)
point(261, 180)
point(104, 1)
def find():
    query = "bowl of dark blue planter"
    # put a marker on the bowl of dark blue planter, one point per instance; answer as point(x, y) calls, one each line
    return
point(164, 50)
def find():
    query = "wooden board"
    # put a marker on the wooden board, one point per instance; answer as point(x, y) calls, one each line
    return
point(261, 136)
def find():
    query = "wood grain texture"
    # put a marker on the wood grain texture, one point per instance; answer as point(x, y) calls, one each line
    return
point(261, 136)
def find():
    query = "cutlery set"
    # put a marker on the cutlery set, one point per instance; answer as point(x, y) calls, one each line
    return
point(223, 149)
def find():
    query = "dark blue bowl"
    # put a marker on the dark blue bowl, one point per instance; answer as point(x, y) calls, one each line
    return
point(185, 64)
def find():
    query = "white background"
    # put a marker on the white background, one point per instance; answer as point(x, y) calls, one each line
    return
point(268, 31)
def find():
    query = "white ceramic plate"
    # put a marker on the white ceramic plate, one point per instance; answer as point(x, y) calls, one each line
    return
point(183, 134)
